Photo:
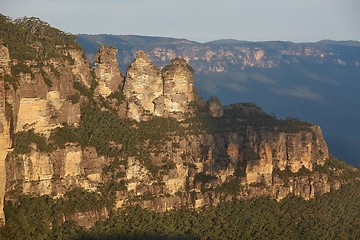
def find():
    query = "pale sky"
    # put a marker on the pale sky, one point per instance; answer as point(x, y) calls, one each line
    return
point(199, 20)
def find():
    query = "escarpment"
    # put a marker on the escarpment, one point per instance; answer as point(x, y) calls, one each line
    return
point(145, 138)
point(5, 140)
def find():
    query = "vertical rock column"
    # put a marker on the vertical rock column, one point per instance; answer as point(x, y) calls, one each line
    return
point(143, 84)
point(5, 141)
point(178, 88)
point(107, 71)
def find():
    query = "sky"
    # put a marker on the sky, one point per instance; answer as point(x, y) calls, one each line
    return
point(199, 20)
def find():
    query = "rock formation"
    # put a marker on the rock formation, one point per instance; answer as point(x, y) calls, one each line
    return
point(215, 108)
point(56, 173)
point(37, 96)
point(143, 84)
point(178, 89)
point(5, 141)
point(107, 71)
point(181, 157)
point(151, 92)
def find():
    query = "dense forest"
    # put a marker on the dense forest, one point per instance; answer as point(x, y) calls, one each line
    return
point(331, 216)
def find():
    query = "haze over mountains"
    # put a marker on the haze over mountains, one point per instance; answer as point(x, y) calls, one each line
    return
point(317, 82)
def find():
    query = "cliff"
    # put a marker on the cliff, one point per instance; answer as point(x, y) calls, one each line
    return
point(144, 139)
point(151, 92)
point(285, 78)
point(5, 139)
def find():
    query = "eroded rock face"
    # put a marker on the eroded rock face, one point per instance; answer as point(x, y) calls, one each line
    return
point(39, 101)
point(54, 173)
point(80, 67)
point(143, 84)
point(45, 106)
point(178, 88)
point(190, 164)
point(107, 71)
point(5, 140)
point(151, 92)
point(224, 156)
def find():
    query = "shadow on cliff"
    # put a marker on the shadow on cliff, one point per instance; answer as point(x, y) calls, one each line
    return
point(138, 236)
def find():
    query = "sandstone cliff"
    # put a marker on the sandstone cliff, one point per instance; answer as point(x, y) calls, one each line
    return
point(142, 86)
point(151, 92)
point(107, 71)
point(66, 133)
point(5, 140)
point(193, 162)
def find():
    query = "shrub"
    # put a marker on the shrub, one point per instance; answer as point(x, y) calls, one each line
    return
point(74, 99)
point(24, 139)
point(204, 178)
point(62, 135)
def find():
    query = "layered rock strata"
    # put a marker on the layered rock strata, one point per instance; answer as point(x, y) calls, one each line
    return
point(53, 173)
point(194, 167)
point(151, 92)
point(5, 140)
point(248, 162)
point(178, 90)
point(107, 71)
point(143, 84)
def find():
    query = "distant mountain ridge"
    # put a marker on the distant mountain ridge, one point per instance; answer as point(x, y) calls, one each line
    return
point(318, 82)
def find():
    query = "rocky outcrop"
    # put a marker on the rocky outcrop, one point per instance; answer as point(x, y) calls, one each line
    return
point(143, 84)
point(178, 90)
point(54, 173)
point(37, 96)
point(151, 92)
point(215, 108)
point(191, 165)
point(42, 100)
point(5, 141)
point(205, 166)
point(107, 71)
point(79, 66)
point(89, 218)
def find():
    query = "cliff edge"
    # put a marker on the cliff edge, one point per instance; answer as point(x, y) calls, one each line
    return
point(145, 138)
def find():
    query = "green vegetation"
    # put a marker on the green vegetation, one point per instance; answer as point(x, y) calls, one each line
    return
point(24, 140)
point(83, 90)
point(60, 136)
point(330, 216)
point(8, 111)
point(249, 114)
point(204, 178)
point(80, 200)
point(104, 131)
point(118, 95)
point(30, 38)
point(46, 79)
point(42, 217)
point(287, 173)
point(14, 81)
point(238, 117)
point(74, 99)
point(338, 170)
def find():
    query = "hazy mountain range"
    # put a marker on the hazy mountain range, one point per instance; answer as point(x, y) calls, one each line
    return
point(317, 82)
